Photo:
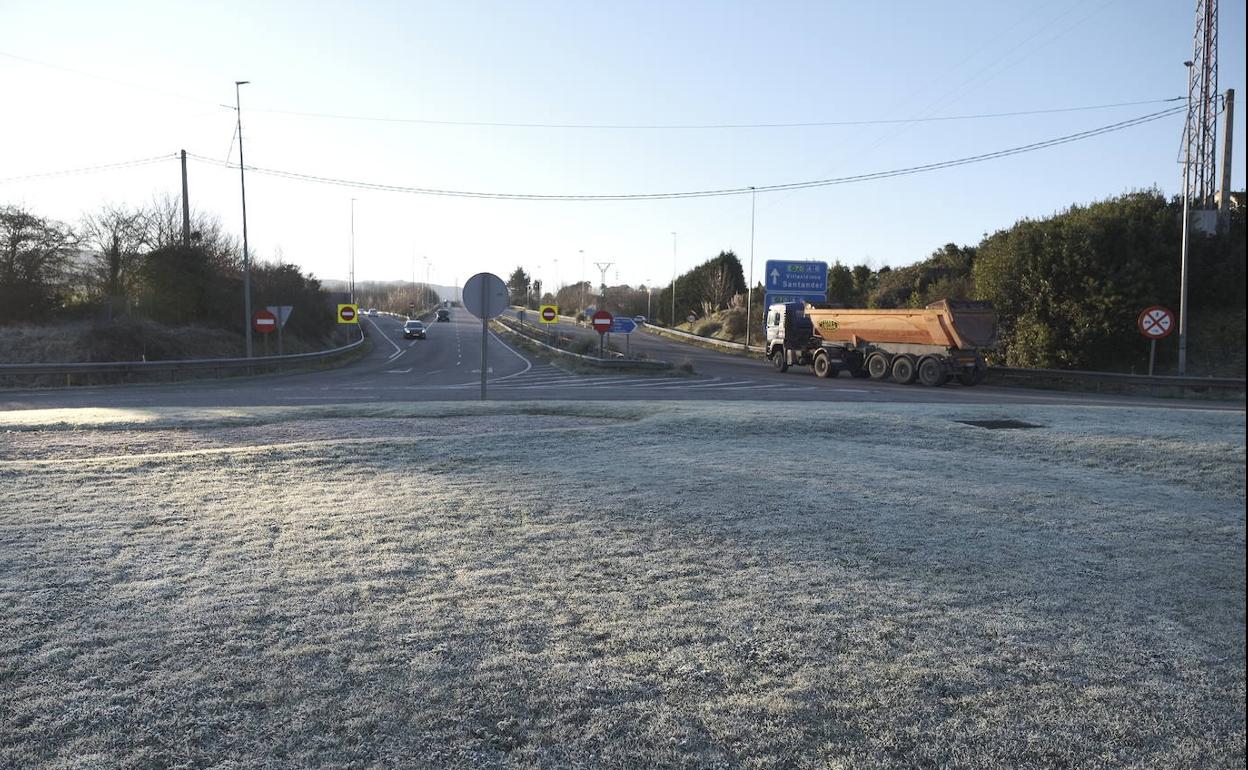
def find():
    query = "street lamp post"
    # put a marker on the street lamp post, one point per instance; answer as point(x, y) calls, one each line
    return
point(749, 286)
point(1187, 160)
point(673, 322)
point(351, 266)
point(242, 184)
point(649, 294)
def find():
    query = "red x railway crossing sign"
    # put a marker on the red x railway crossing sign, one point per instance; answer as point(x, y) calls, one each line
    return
point(1156, 322)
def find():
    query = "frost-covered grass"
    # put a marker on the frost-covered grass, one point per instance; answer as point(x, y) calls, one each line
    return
point(622, 585)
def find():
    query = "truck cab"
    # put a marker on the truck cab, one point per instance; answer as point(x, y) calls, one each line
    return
point(792, 341)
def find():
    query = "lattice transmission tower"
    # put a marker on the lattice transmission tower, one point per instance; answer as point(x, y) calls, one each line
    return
point(1201, 127)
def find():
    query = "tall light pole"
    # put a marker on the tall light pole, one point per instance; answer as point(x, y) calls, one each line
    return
point(582, 253)
point(749, 286)
point(242, 183)
point(351, 266)
point(673, 321)
point(649, 294)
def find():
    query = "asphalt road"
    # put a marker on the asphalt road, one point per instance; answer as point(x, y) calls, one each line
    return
point(447, 367)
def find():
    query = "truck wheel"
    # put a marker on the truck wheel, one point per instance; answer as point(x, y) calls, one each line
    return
point(904, 370)
point(877, 366)
point(932, 372)
point(778, 361)
point(823, 365)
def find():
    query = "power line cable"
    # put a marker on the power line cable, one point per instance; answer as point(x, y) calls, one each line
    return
point(713, 192)
point(115, 81)
point(92, 169)
point(700, 126)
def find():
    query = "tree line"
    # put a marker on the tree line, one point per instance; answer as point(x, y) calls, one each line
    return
point(125, 262)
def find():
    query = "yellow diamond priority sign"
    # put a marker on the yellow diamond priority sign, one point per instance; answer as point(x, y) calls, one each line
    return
point(549, 314)
point(348, 314)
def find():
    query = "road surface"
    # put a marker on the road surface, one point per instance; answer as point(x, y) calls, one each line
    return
point(447, 367)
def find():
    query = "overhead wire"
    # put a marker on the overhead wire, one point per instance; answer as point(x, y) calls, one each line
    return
point(709, 193)
point(703, 126)
point(92, 169)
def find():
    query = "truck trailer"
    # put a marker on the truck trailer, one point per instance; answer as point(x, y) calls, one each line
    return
point(947, 339)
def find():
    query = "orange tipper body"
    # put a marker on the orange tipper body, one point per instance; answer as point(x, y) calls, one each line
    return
point(953, 326)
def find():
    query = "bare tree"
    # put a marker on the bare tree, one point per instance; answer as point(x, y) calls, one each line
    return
point(35, 256)
point(116, 236)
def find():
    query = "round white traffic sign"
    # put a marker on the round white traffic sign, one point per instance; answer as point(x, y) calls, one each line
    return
point(485, 295)
point(1156, 322)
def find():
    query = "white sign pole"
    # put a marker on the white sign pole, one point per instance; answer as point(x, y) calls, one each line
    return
point(485, 334)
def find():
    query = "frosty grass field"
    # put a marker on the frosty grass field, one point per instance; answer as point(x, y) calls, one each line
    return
point(683, 585)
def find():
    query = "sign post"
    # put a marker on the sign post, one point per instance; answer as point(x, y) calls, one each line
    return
point(485, 296)
point(602, 324)
point(283, 315)
point(1155, 323)
point(626, 326)
point(264, 323)
point(549, 314)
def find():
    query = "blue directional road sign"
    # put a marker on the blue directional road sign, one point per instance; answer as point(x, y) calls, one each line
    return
point(772, 299)
point(784, 277)
point(622, 325)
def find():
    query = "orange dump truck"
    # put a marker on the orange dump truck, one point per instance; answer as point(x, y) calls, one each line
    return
point(933, 344)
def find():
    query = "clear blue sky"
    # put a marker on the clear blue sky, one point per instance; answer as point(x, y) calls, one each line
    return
point(138, 79)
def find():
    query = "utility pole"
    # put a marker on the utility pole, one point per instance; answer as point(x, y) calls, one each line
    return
point(749, 286)
point(186, 206)
point(242, 183)
point(582, 253)
point(1224, 190)
point(673, 321)
point(602, 268)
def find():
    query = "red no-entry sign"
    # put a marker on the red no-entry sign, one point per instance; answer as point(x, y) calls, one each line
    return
point(549, 314)
point(602, 322)
point(264, 322)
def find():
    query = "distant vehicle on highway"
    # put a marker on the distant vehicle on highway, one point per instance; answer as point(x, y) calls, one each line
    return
point(641, 319)
point(444, 315)
point(372, 311)
point(413, 330)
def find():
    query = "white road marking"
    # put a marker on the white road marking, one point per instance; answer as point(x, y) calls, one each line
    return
point(408, 370)
point(398, 351)
point(527, 363)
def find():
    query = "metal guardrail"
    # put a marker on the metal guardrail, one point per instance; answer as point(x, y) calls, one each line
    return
point(175, 365)
point(1114, 382)
point(606, 363)
point(663, 331)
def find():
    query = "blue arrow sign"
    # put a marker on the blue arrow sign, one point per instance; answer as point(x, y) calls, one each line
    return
point(622, 325)
point(785, 277)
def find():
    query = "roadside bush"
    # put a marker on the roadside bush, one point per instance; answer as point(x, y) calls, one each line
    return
point(584, 346)
point(708, 328)
point(734, 322)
